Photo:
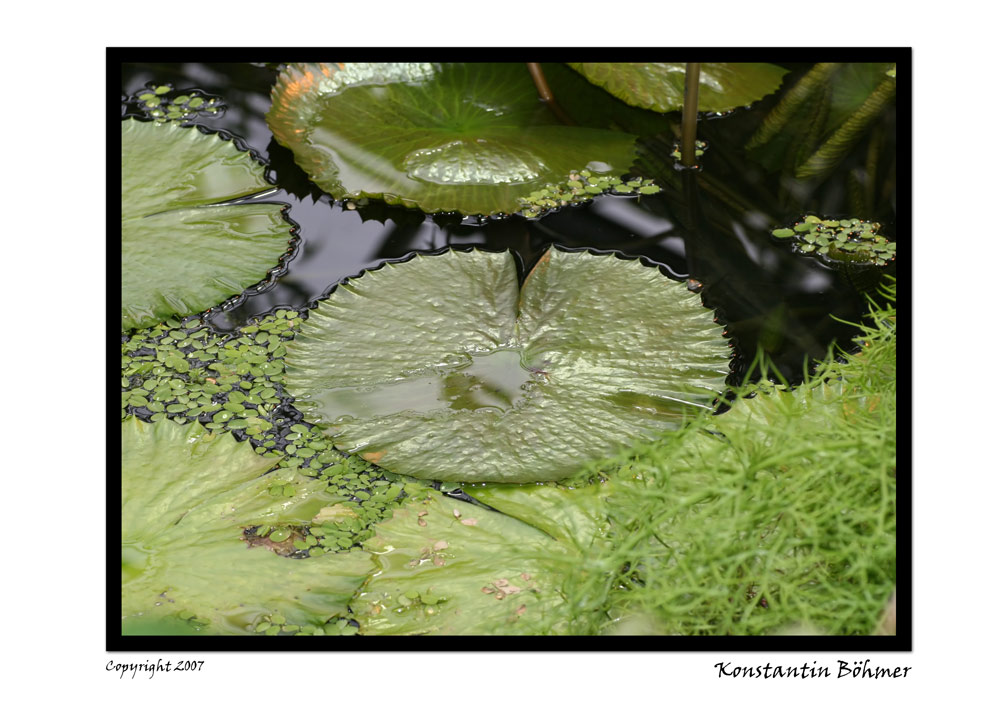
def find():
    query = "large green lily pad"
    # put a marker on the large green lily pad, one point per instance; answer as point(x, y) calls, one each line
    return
point(660, 86)
point(472, 138)
point(187, 496)
point(441, 368)
point(183, 251)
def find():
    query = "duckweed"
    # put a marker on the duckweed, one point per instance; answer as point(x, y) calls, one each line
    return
point(580, 187)
point(163, 103)
point(699, 150)
point(840, 240)
point(207, 377)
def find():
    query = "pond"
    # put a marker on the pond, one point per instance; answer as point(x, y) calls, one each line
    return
point(325, 487)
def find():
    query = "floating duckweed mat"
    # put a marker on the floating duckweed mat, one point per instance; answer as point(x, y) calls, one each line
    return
point(581, 186)
point(783, 519)
point(183, 250)
point(182, 372)
point(187, 497)
point(840, 240)
point(442, 368)
point(163, 103)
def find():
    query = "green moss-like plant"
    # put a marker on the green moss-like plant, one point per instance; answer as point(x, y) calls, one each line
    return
point(777, 516)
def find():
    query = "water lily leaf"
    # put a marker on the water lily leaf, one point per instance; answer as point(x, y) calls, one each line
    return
point(181, 251)
point(660, 86)
point(440, 368)
point(451, 568)
point(472, 138)
point(186, 498)
point(576, 517)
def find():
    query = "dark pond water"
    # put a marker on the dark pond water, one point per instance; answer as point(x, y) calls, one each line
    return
point(712, 226)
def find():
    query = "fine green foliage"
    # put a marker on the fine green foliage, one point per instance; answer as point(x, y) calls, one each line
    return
point(183, 252)
point(188, 500)
point(660, 86)
point(778, 516)
point(471, 138)
point(441, 368)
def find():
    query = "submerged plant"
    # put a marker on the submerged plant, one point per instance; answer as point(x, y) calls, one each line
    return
point(844, 240)
point(442, 368)
point(822, 117)
point(183, 250)
point(471, 138)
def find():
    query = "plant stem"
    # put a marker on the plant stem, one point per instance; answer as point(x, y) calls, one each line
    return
point(689, 118)
point(545, 93)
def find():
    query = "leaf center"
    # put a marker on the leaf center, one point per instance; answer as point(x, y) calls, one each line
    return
point(495, 382)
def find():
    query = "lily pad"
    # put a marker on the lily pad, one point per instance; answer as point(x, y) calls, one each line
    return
point(441, 368)
point(660, 86)
point(449, 568)
point(183, 251)
point(472, 138)
point(187, 498)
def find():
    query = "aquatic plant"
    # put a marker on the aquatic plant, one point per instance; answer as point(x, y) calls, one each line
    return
point(183, 249)
point(162, 103)
point(471, 138)
point(184, 372)
point(840, 102)
point(700, 147)
point(777, 515)
point(442, 368)
point(839, 240)
point(579, 187)
point(660, 86)
point(448, 567)
point(188, 499)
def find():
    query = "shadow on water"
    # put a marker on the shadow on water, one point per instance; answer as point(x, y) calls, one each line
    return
point(710, 227)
